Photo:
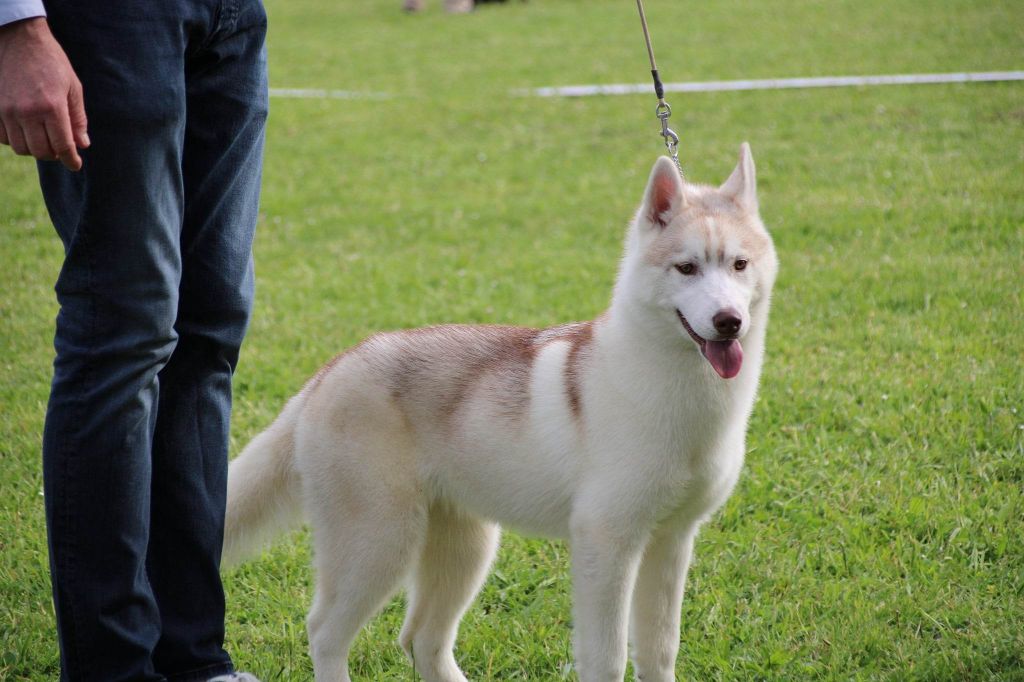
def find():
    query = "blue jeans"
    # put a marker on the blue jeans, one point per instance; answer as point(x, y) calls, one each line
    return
point(155, 295)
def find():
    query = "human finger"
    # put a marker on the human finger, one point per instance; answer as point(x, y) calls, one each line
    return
point(17, 140)
point(62, 142)
point(38, 140)
point(76, 114)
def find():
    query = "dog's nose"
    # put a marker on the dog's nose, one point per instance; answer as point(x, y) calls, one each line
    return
point(727, 322)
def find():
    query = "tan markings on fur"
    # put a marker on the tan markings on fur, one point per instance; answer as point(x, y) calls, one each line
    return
point(504, 367)
point(442, 368)
point(714, 219)
point(579, 339)
point(435, 371)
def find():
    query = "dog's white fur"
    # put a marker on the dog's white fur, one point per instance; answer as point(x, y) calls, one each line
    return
point(406, 451)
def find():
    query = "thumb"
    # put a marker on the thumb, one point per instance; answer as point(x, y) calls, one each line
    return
point(76, 112)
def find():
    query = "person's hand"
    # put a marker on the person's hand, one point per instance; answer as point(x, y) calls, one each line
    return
point(41, 108)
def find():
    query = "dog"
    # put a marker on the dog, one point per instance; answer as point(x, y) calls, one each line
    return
point(621, 435)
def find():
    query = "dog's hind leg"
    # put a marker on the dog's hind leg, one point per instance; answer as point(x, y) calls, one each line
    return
point(363, 548)
point(452, 567)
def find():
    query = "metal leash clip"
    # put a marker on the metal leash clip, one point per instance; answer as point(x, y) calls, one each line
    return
point(663, 111)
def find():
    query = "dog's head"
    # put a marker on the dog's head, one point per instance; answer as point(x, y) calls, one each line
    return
point(700, 259)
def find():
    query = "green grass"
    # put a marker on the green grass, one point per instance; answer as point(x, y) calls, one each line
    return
point(876, 531)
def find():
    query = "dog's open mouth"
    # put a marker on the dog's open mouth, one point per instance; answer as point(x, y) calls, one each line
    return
point(726, 355)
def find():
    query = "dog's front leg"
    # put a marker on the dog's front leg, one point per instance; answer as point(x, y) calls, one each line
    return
point(604, 567)
point(657, 597)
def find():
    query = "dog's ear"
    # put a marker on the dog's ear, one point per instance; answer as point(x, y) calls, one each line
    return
point(664, 195)
point(742, 184)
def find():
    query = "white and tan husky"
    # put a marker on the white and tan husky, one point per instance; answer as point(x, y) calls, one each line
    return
point(621, 435)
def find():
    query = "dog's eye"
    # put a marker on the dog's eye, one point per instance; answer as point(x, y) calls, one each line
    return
point(686, 268)
point(740, 264)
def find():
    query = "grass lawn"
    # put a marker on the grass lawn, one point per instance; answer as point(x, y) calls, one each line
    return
point(876, 532)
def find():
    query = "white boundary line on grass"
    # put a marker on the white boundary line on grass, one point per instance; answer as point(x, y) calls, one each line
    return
point(776, 84)
point(695, 86)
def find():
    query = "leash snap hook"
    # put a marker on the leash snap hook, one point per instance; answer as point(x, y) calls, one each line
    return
point(671, 141)
point(663, 111)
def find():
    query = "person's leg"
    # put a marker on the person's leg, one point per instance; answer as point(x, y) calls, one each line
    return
point(120, 220)
point(227, 106)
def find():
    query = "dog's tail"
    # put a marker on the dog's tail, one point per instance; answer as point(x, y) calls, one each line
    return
point(263, 489)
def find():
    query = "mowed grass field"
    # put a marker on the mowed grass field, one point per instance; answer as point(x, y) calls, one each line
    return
point(877, 531)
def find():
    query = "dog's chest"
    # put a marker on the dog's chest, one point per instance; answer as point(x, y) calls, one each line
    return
point(708, 481)
point(692, 457)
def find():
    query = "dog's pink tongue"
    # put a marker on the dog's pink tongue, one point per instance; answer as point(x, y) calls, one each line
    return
point(725, 356)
